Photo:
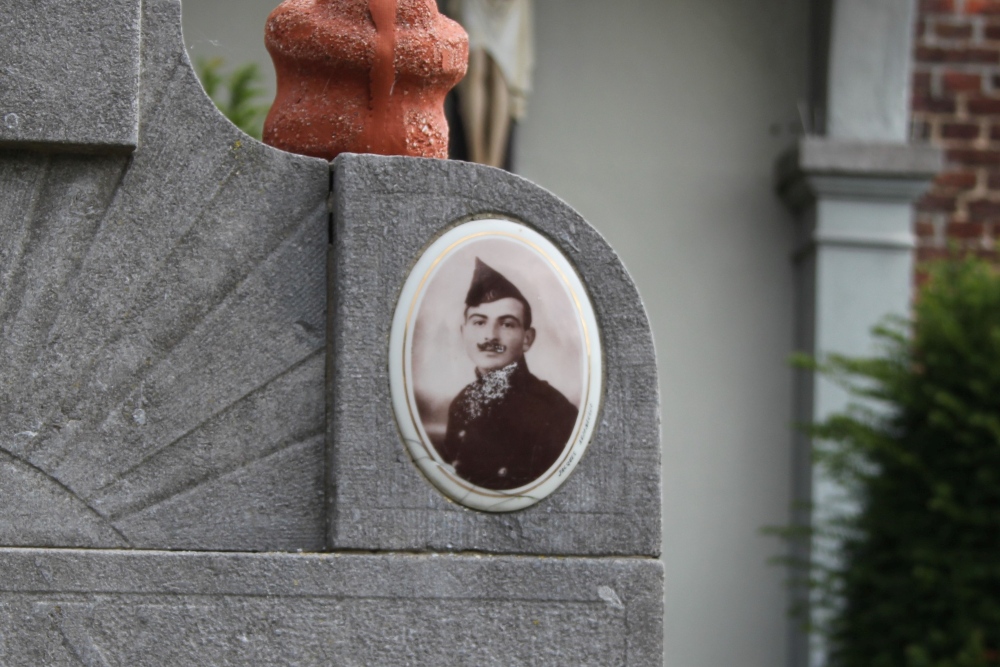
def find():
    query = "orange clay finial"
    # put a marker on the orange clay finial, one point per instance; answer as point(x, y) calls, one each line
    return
point(362, 76)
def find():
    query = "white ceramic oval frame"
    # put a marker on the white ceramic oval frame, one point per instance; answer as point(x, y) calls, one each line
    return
point(411, 427)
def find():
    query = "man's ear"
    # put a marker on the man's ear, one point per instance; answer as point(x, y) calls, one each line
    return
point(529, 338)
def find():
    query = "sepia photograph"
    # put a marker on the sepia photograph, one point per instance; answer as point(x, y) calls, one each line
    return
point(498, 358)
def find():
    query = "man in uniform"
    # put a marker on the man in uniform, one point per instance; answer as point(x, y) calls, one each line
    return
point(508, 427)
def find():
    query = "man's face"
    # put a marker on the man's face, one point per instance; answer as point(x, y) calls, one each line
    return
point(494, 333)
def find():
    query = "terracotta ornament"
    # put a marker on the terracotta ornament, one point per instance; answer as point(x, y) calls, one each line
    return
point(362, 76)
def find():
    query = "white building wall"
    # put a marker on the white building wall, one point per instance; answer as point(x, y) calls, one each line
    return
point(660, 121)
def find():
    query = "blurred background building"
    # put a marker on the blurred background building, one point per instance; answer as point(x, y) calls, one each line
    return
point(754, 164)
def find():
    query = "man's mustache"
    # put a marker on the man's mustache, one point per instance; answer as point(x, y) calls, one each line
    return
point(491, 346)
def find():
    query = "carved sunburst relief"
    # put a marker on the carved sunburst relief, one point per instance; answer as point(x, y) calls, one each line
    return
point(162, 323)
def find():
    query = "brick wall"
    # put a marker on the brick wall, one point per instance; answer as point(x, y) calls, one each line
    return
point(956, 105)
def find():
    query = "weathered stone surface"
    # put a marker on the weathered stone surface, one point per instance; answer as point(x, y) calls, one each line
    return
point(151, 608)
point(163, 354)
point(386, 211)
point(69, 75)
point(162, 326)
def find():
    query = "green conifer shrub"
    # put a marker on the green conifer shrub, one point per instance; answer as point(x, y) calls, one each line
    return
point(917, 583)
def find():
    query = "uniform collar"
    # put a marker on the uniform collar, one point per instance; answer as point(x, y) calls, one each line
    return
point(516, 371)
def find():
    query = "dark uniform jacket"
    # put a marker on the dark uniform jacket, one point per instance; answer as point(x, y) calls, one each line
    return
point(506, 428)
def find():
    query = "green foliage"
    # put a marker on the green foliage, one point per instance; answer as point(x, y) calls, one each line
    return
point(917, 578)
point(237, 94)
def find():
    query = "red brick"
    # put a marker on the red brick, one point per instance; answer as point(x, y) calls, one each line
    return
point(983, 210)
point(936, 203)
point(939, 54)
point(937, 6)
point(958, 82)
point(961, 180)
point(964, 230)
point(926, 254)
point(920, 130)
point(921, 82)
point(932, 104)
point(988, 7)
point(953, 30)
point(984, 106)
point(924, 230)
point(921, 28)
point(993, 180)
point(959, 131)
point(991, 32)
point(973, 157)
point(995, 133)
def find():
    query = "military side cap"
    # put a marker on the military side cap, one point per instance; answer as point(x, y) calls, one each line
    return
point(490, 285)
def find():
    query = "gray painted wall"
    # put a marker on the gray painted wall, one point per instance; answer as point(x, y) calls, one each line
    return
point(868, 90)
point(654, 120)
point(660, 122)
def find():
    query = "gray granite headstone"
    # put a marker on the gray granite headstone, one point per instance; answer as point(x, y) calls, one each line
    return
point(162, 318)
point(386, 210)
point(176, 421)
point(138, 609)
point(69, 75)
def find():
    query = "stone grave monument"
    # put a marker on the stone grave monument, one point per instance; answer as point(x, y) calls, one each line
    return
point(260, 408)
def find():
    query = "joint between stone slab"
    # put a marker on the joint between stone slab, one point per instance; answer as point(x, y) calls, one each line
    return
point(70, 148)
point(472, 553)
point(330, 473)
point(329, 208)
point(340, 553)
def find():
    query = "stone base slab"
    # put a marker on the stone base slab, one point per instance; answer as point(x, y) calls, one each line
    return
point(71, 607)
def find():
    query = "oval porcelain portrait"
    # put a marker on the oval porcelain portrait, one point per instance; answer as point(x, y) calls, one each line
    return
point(495, 365)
